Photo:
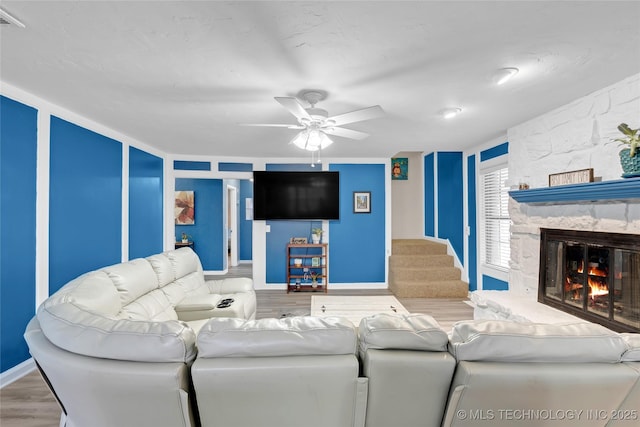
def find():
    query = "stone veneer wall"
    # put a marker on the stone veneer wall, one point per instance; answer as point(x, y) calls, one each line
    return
point(576, 136)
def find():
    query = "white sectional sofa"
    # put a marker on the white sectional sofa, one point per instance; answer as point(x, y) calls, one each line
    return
point(116, 344)
point(292, 372)
point(143, 344)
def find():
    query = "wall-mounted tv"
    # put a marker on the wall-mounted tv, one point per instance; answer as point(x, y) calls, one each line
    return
point(296, 195)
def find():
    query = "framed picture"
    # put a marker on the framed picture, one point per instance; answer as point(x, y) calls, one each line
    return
point(400, 168)
point(362, 202)
point(185, 208)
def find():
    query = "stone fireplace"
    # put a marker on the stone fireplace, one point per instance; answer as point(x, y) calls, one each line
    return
point(592, 275)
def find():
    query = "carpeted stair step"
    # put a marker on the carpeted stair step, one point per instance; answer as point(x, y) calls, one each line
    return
point(400, 261)
point(438, 289)
point(428, 274)
point(417, 247)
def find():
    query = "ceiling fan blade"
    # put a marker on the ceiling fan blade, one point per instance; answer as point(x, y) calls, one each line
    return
point(273, 125)
point(293, 106)
point(346, 133)
point(358, 115)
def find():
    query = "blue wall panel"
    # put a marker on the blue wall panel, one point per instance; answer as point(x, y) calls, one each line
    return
point(18, 154)
point(245, 240)
point(235, 167)
point(185, 165)
point(357, 240)
point(472, 241)
point(145, 204)
point(208, 230)
point(497, 151)
point(85, 202)
point(492, 284)
point(450, 206)
point(429, 196)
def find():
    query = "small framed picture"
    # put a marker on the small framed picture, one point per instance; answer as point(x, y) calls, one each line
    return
point(362, 202)
point(315, 261)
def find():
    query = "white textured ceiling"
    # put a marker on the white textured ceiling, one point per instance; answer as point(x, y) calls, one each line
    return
point(182, 76)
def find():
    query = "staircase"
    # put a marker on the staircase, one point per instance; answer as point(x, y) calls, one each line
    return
point(422, 269)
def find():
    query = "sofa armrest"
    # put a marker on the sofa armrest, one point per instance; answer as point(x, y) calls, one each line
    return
point(198, 303)
point(231, 285)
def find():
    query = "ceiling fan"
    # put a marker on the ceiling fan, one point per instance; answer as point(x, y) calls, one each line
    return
point(315, 124)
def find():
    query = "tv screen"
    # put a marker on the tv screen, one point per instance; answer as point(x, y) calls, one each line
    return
point(296, 195)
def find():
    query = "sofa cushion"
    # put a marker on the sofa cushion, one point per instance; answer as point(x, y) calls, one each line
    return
point(163, 268)
point(401, 331)
point(132, 279)
point(93, 291)
point(293, 336)
point(184, 261)
point(152, 306)
point(506, 341)
point(633, 347)
point(76, 329)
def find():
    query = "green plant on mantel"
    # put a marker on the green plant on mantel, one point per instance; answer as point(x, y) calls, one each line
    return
point(317, 231)
point(632, 138)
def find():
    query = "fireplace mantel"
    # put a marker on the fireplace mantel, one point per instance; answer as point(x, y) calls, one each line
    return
point(622, 189)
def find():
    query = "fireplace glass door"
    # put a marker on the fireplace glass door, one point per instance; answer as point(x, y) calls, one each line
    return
point(595, 276)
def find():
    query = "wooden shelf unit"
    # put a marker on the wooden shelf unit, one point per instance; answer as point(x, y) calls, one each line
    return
point(299, 280)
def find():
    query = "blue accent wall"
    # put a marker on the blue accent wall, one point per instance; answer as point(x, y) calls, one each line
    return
point(497, 151)
point(245, 240)
point(235, 167)
point(208, 230)
point(357, 240)
point(492, 284)
point(145, 204)
point(186, 165)
point(18, 156)
point(281, 231)
point(429, 196)
point(85, 202)
point(472, 242)
point(450, 200)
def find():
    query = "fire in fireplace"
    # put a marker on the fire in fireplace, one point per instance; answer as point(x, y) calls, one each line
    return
point(595, 276)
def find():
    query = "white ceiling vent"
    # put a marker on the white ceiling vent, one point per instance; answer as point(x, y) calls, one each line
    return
point(8, 19)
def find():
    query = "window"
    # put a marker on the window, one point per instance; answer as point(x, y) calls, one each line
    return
point(495, 215)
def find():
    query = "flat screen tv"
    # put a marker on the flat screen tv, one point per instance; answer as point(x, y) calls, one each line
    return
point(296, 195)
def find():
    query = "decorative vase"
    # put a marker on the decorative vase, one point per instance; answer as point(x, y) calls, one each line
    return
point(185, 240)
point(630, 165)
point(314, 283)
point(315, 238)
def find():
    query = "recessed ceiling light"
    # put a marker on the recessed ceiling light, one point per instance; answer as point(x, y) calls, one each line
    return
point(450, 113)
point(503, 75)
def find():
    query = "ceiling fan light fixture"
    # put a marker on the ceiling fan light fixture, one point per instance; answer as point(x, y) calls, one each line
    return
point(312, 140)
point(450, 113)
point(503, 75)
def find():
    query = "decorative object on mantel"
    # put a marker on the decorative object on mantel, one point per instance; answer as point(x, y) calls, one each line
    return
point(629, 158)
point(573, 177)
point(619, 189)
point(185, 237)
point(298, 240)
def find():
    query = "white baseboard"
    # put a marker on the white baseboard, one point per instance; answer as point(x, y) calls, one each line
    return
point(17, 372)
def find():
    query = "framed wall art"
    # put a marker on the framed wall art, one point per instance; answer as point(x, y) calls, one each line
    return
point(400, 168)
point(362, 202)
point(185, 208)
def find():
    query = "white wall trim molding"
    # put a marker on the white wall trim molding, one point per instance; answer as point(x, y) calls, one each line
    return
point(125, 203)
point(42, 207)
point(17, 372)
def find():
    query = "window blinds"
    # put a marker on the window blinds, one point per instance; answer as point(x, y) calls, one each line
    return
point(496, 218)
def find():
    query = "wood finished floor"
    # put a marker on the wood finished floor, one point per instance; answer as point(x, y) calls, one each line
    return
point(28, 403)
